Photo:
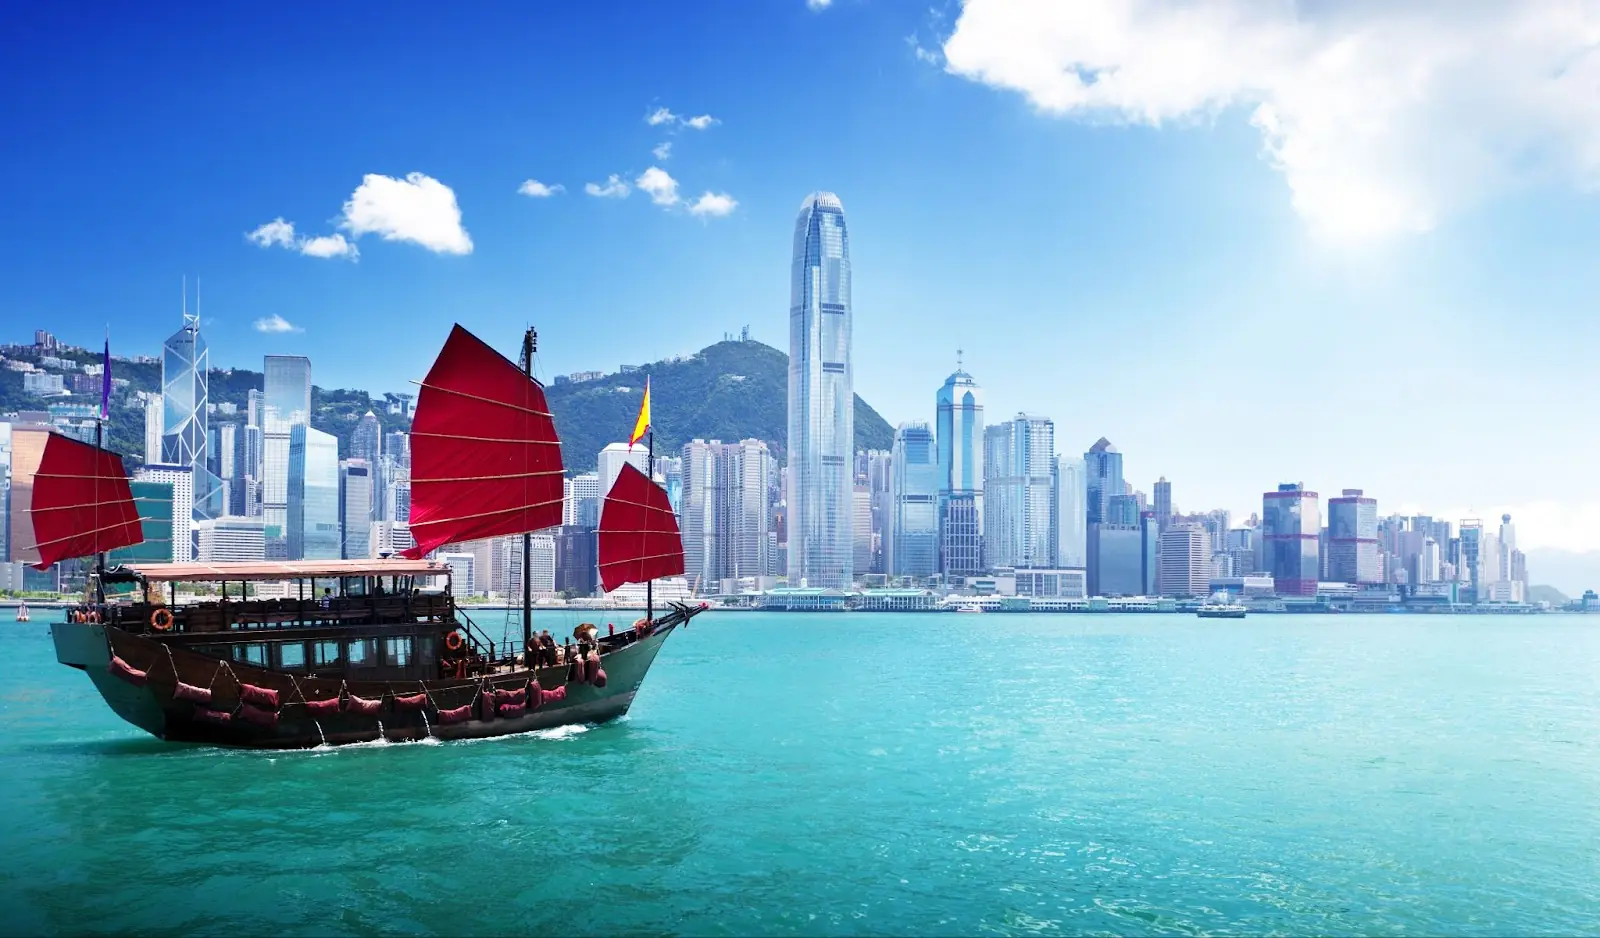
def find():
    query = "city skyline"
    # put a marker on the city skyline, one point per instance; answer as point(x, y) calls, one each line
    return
point(1156, 235)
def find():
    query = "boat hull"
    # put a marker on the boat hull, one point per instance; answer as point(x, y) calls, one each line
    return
point(1221, 613)
point(152, 706)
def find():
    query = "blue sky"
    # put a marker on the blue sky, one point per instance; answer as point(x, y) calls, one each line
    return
point(1150, 261)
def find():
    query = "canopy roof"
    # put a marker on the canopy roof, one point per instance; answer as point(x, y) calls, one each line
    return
point(274, 570)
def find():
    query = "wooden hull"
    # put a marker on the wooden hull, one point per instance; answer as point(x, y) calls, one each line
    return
point(153, 708)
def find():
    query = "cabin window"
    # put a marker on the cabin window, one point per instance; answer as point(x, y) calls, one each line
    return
point(426, 647)
point(397, 651)
point(363, 654)
point(255, 653)
point(291, 656)
point(355, 586)
point(325, 654)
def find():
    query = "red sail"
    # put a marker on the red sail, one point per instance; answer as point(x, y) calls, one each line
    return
point(485, 460)
point(639, 538)
point(70, 499)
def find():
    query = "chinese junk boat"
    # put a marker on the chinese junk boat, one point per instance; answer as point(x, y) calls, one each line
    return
point(300, 653)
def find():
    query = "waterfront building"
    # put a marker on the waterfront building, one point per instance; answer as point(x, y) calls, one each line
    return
point(1102, 471)
point(185, 366)
point(1469, 569)
point(153, 426)
point(576, 560)
point(1353, 539)
point(1163, 502)
point(862, 537)
point(1291, 524)
point(1116, 560)
point(913, 546)
point(613, 457)
point(285, 404)
point(581, 504)
point(355, 509)
point(1071, 518)
point(1019, 463)
point(726, 513)
point(230, 540)
point(312, 507)
point(960, 437)
point(1185, 560)
point(821, 432)
point(180, 481)
point(1053, 583)
point(878, 467)
point(157, 507)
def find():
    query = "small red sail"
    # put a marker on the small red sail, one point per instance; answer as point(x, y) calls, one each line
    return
point(639, 537)
point(485, 459)
point(69, 499)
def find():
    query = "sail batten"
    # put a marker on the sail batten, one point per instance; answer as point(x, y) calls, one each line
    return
point(485, 457)
point(69, 499)
point(639, 539)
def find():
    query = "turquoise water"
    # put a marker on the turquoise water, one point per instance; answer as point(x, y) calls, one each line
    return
point(803, 775)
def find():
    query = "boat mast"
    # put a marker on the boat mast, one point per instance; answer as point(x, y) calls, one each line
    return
point(650, 474)
point(530, 344)
point(99, 443)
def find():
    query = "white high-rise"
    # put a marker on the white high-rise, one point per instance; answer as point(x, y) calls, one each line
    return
point(615, 455)
point(1072, 528)
point(1019, 492)
point(821, 438)
point(727, 513)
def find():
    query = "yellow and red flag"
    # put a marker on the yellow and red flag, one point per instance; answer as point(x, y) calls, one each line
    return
point(643, 423)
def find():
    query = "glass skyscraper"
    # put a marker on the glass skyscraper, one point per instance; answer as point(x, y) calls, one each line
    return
point(288, 387)
point(313, 496)
point(913, 525)
point(285, 403)
point(184, 395)
point(1019, 493)
point(821, 399)
point(1291, 525)
point(959, 433)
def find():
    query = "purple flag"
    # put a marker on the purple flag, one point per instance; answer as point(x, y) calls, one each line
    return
point(105, 384)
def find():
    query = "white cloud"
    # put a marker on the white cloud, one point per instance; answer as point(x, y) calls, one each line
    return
point(535, 189)
point(662, 151)
point(418, 208)
point(274, 233)
point(662, 188)
point(701, 122)
point(1382, 116)
point(660, 116)
point(614, 188)
point(333, 245)
point(819, 4)
point(280, 233)
point(713, 205)
point(276, 323)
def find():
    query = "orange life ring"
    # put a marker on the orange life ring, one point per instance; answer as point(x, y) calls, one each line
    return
point(453, 641)
point(161, 619)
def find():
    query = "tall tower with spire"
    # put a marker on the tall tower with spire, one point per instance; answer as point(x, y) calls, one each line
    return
point(184, 395)
point(958, 433)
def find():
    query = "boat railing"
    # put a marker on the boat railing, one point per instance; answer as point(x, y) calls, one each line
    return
point(481, 644)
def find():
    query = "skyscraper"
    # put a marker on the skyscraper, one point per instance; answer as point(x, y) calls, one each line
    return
point(1353, 539)
point(1185, 561)
point(727, 513)
point(313, 495)
point(285, 404)
point(821, 398)
point(184, 368)
point(913, 522)
point(1072, 526)
point(366, 440)
point(1019, 489)
point(581, 505)
point(1163, 499)
point(613, 457)
point(153, 423)
point(1102, 471)
point(1291, 526)
point(355, 509)
point(959, 434)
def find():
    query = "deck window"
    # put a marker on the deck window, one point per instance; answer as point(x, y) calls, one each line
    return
point(362, 652)
point(254, 653)
point(291, 656)
point(397, 651)
point(325, 654)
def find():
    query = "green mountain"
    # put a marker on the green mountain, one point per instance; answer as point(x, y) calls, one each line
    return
point(1548, 594)
point(729, 391)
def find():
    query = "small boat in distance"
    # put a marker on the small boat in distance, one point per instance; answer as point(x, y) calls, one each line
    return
point(1220, 606)
point(22, 612)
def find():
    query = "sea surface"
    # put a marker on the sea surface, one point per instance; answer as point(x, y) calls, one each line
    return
point(872, 774)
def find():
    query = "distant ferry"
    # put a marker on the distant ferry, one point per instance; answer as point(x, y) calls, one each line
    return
point(1219, 606)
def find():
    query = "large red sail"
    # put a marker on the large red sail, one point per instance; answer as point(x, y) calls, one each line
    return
point(68, 499)
point(639, 537)
point(485, 460)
